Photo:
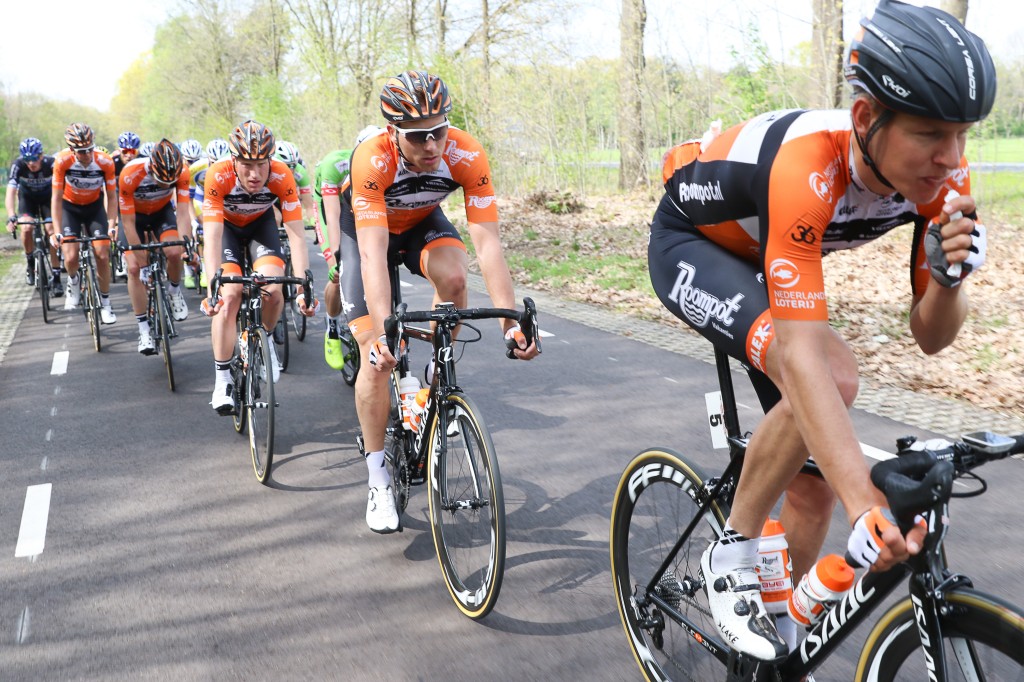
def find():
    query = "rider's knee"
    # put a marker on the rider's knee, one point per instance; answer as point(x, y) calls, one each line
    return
point(810, 496)
point(453, 282)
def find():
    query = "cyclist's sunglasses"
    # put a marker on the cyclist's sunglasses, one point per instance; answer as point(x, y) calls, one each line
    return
point(30, 159)
point(128, 151)
point(423, 135)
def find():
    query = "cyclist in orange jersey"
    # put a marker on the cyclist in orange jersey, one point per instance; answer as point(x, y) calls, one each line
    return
point(238, 199)
point(81, 177)
point(736, 251)
point(391, 205)
point(145, 192)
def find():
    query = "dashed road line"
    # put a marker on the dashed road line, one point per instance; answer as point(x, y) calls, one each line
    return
point(32, 536)
point(60, 362)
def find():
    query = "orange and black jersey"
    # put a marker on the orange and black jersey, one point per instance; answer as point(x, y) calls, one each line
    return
point(138, 190)
point(781, 190)
point(381, 190)
point(224, 199)
point(82, 184)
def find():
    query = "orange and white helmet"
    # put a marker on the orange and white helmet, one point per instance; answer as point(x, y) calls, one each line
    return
point(79, 137)
point(251, 140)
point(414, 95)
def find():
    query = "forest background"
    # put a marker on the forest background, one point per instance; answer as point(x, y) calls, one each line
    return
point(574, 143)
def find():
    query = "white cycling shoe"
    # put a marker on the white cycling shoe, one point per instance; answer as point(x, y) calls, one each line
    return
point(146, 344)
point(107, 315)
point(73, 296)
point(740, 616)
point(179, 308)
point(381, 515)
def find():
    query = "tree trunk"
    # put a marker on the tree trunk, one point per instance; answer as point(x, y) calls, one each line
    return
point(441, 12)
point(632, 145)
point(827, 52)
point(485, 55)
point(958, 8)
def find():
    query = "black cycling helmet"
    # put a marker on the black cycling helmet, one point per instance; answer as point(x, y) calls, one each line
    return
point(922, 61)
point(165, 162)
point(414, 95)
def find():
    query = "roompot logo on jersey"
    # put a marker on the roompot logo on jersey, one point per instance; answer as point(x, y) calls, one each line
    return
point(699, 306)
point(455, 155)
point(380, 163)
point(783, 273)
point(480, 202)
point(701, 192)
point(360, 204)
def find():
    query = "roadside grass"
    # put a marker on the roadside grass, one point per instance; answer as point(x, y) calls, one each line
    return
point(8, 259)
point(996, 150)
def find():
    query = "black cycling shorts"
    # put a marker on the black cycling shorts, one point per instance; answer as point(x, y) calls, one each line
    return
point(407, 248)
point(88, 220)
point(260, 238)
point(151, 227)
point(716, 293)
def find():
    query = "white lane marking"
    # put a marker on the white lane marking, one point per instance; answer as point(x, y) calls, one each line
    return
point(53, 411)
point(613, 359)
point(32, 536)
point(670, 379)
point(406, 285)
point(49, 435)
point(23, 626)
point(545, 334)
point(46, 460)
point(743, 406)
point(56, 390)
point(60, 362)
point(875, 453)
point(564, 341)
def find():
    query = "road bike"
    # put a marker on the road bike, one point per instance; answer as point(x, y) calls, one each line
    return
point(349, 351)
point(666, 512)
point(158, 304)
point(41, 266)
point(88, 285)
point(452, 449)
point(252, 373)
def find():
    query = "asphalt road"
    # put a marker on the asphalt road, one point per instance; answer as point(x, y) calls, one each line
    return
point(164, 558)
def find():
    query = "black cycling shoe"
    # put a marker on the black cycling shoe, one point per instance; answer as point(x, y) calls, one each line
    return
point(30, 277)
point(56, 289)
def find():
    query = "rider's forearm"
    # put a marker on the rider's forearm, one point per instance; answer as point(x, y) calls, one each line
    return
point(297, 241)
point(936, 318)
point(9, 201)
point(184, 222)
point(56, 212)
point(495, 271)
point(212, 232)
point(373, 261)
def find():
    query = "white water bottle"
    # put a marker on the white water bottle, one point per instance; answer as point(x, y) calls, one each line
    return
point(407, 389)
point(774, 568)
point(824, 585)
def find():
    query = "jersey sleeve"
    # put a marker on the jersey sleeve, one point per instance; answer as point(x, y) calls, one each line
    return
point(131, 177)
point(215, 186)
point(373, 170)
point(470, 168)
point(302, 180)
point(282, 183)
point(802, 193)
point(13, 182)
point(60, 167)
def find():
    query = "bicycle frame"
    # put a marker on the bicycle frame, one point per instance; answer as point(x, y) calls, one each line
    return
point(928, 573)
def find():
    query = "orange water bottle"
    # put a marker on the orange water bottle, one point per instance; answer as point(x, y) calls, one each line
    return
point(824, 585)
point(774, 567)
point(407, 389)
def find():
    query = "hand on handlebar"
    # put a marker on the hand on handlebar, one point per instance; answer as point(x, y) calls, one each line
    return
point(380, 356)
point(56, 239)
point(515, 342)
point(308, 310)
point(876, 541)
point(211, 309)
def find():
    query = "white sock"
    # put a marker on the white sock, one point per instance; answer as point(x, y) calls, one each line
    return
point(378, 473)
point(733, 551)
point(787, 629)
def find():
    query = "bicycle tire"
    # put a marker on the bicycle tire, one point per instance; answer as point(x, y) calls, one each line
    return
point(298, 320)
point(398, 449)
point(164, 332)
point(467, 507)
point(988, 630)
point(350, 370)
point(43, 284)
point(281, 332)
point(654, 502)
point(92, 296)
point(259, 399)
point(238, 379)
